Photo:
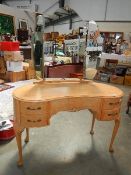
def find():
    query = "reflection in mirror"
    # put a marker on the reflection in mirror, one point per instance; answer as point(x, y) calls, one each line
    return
point(62, 42)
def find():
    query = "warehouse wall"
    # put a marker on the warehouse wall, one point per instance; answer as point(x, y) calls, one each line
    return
point(90, 10)
point(64, 26)
point(102, 10)
point(103, 26)
point(48, 6)
point(18, 14)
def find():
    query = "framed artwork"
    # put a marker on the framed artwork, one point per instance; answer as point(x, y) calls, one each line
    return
point(23, 24)
point(6, 24)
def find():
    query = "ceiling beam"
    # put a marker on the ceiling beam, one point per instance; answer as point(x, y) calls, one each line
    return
point(48, 18)
point(61, 13)
point(56, 21)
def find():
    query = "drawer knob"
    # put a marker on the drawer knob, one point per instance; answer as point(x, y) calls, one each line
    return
point(39, 120)
point(113, 114)
point(114, 103)
point(29, 108)
point(39, 108)
point(111, 103)
point(28, 120)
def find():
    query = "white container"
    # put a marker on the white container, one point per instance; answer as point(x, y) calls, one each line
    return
point(14, 66)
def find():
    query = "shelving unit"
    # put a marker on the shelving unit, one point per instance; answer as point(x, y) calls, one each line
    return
point(109, 36)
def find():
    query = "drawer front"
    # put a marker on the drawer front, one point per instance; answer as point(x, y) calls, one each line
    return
point(110, 114)
point(33, 121)
point(85, 103)
point(32, 108)
point(111, 103)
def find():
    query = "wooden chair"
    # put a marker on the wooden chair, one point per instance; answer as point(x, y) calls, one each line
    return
point(128, 103)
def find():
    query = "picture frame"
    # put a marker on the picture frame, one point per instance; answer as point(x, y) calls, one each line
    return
point(23, 24)
point(7, 24)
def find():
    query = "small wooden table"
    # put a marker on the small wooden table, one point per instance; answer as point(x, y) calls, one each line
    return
point(35, 104)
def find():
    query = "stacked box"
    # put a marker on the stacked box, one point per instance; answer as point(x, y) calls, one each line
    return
point(13, 56)
point(30, 74)
point(127, 80)
point(2, 66)
point(9, 46)
point(117, 79)
point(16, 76)
point(14, 66)
point(29, 70)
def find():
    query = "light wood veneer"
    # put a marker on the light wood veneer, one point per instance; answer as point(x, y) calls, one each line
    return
point(36, 103)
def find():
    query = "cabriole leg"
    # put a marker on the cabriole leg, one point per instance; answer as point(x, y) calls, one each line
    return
point(27, 135)
point(19, 144)
point(92, 126)
point(117, 124)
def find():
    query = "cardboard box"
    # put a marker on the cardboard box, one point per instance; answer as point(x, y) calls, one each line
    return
point(30, 71)
point(30, 74)
point(15, 76)
point(2, 66)
point(3, 76)
point(127, 80)
point(14, 66)
point(116, 79)
point(13, 56)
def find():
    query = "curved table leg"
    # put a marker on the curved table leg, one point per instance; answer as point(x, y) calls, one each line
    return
point(92, 126)
point(19, 144)
point(117, 124)
point(27, 135)
point(127, 111)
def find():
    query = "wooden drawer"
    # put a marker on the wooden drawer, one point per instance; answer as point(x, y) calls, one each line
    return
point(84, 103)
point(32, 108)
point(33, 120)
point(111, 103)
point(110, 114)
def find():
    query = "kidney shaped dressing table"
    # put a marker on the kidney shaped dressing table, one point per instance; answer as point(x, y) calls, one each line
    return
point(36, 103)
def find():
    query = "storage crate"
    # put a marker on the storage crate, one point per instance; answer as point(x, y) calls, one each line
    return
point(116, 79)
point(14, 66)
point(16, 76)
point(127, 80)
point(30, 74)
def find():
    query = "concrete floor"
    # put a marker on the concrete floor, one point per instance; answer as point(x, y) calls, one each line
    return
point(66, 147)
